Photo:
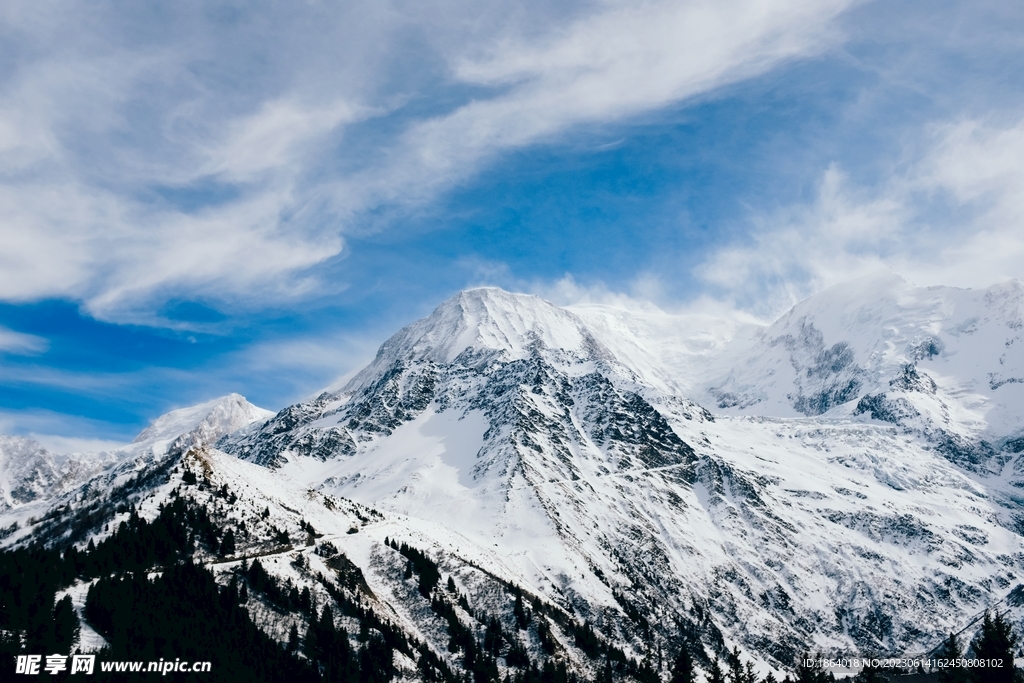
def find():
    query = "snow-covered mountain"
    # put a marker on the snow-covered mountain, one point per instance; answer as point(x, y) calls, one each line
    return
point(853, 485)
point(948, 363)
point(514, 423)
point(199, 425)
point(31, 474)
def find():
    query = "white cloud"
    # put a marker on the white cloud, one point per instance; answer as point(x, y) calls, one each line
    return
point(619, 62)
point(274, 138)
point(20, 343)
point(61, 433)
point(309, 364)
point(953, 217)
point(213, 157)
point(76, 242)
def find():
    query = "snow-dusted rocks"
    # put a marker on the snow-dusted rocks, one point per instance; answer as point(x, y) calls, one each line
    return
point(29, 472)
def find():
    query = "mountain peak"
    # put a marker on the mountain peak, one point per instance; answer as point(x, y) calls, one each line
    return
point(488, 323)
point(206, 422)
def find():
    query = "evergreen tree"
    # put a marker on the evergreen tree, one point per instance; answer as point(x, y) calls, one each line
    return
point(951, 650)
point(311, 643)
point(493, 637)
point(227, 544)
point(869, 674)
point(520, 613)
point(65, 625)
point(517, 655)
point(714, 674)
point(682, 670)
point(996, 641)
point(735, 666)
point(547, 641)
point(587, 641)
point(808, 672)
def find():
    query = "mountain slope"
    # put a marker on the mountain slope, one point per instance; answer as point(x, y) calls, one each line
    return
point(31, 474)
point(858, 490)
point(592, 485)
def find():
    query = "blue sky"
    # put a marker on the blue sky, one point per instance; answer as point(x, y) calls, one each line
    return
point(208, 197)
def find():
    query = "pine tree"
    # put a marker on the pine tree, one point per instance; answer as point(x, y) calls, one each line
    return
point(997, 641)
point(682, 670)
point(227, 544)
point(519, 612)
point(65, 625)
point(951, 650)
point(735, 666)
point(807, 672)
point(714, 674)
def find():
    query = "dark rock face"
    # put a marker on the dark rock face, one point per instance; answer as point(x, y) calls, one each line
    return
point(961, 451)
point(825, 376)
point(913, 380)
point(397, 396)
point(885, 409)
point(628, 424)
point(823, 401)
point(929, 348)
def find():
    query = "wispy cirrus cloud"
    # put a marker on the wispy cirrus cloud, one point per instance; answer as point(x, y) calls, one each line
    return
point(214, 158)
point(620, 61)
point(21, 343)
